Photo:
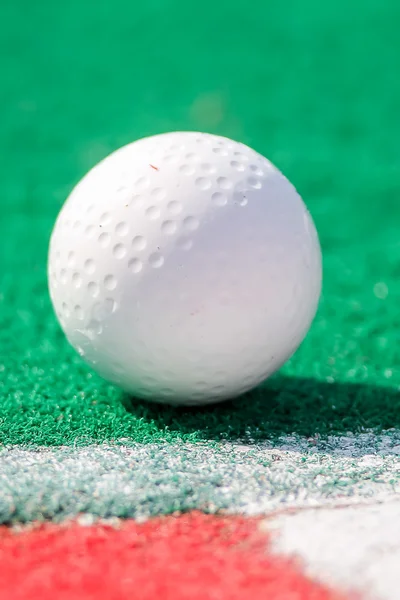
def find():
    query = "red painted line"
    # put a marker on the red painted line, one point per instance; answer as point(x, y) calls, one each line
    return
point(188, 557)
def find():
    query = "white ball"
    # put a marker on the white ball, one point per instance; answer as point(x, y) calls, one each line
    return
point(185, 268)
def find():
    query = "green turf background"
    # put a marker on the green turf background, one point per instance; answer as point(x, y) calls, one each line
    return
point(315, 88)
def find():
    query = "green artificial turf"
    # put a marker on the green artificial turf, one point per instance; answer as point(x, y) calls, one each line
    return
point(314, 87)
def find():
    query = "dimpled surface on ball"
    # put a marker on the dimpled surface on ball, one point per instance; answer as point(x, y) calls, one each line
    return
point(185, 268)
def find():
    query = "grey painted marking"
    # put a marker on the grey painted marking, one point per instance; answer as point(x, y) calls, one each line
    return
point(142, 480)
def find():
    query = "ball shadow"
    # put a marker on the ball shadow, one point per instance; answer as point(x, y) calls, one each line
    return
point(283, 405)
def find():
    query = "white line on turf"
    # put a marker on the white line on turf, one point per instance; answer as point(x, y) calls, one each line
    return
point(351, 547)
point(125, 479)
